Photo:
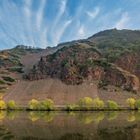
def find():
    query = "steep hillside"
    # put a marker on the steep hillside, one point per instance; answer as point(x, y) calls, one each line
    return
point(100, 58)
point(11, 65)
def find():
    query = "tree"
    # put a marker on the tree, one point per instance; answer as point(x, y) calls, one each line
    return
point(85, 102)
point(138, 104)
point(2, 104)
point(33, 104)
point(11, 105)
point(47, 104)
point(98, 104)
point(112, 104)
point(131, 103)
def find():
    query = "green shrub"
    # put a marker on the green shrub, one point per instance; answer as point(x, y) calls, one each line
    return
point(85, 102)
point(131, 103)
point(138, 104)
point(112, 104)
point(98, 104)
point(33, 104)
point(70, 107)
point(47, 104)
point(2, 104)
point(8, 79)
point(2, 82)
point(11, 105)
point(16, 69)
point(103, 83)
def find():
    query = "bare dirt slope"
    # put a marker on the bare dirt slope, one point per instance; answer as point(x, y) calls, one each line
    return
point(32, 58)
point(61, 93)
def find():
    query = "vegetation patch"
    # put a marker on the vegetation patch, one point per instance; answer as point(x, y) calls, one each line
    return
point(11, 105)
point(112, 105)
point(16, 69)
point(98, 103)
point(138, 104)
point(2, 82)
point(131, 103)
point(8, 79)
point(85, 102)
point(2, 105)
point(47, 104)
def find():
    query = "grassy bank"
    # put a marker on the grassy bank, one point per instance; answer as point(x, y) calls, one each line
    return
point(83, 104)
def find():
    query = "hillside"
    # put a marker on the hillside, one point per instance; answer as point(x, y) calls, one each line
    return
point(104, 65)
point(11, 66)
point(99, 58)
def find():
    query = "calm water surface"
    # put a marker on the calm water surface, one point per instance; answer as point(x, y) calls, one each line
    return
point(69, 126)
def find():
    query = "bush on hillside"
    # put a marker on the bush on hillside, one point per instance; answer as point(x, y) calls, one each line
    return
point(8, 79)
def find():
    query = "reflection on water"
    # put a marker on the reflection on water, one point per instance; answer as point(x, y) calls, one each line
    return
point(112, 115)
point(69, 126)
point(46, 116)
point(87, 118)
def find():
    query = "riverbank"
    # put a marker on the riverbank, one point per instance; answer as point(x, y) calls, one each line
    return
point(83, 104)
point(76, 109)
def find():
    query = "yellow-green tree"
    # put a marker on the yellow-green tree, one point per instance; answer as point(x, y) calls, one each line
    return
point(2, 104)
point(47, 104)
point(70, 107)
point(11, 105)
point(138, 104)
point(33, 104)
point(131, 103)
point(85, 102)
point(98, 103)
point(112, 104)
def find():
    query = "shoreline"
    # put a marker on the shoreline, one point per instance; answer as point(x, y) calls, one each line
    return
point(76, 109)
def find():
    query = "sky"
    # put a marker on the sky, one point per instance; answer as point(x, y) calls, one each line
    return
point(42, 23)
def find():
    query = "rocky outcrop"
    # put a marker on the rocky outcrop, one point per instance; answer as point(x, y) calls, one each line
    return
point(121, 78)
point(68, 64)
point(110, 57)
point(130, 62)
point(74, 65)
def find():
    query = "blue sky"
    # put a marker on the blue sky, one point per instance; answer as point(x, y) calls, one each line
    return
point(42, 23)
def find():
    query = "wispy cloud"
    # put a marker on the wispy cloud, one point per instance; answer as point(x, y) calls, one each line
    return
point(62, 8)
point(41, 26)
point(47, 22)
point(40, 14)
point(123, 21)
point(60, 32)
point(56, 30)
point(81, 32)
point(28, 16)
point(94, 13)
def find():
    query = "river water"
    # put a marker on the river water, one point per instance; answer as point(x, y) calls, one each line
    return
point(69, 126)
